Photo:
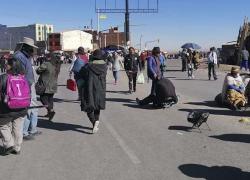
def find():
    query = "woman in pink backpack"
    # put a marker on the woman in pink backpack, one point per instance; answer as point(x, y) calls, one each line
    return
point(11, 118)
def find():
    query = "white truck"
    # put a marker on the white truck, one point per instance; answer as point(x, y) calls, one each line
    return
point(69, 41)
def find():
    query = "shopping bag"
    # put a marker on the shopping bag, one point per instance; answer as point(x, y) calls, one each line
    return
point(71, 85)
point(140, 79)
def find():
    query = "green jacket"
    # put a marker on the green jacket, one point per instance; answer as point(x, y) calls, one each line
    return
point(48, 75)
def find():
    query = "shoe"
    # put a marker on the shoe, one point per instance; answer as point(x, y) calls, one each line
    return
point(46, 116)
point(215, 79)
point(15, 152)
point(28, 137)
point(37, 133)
point(51, 115)
point(138, 101)
point(209, 78)
point(95, 128)
point(130, 91)
point(8, 151)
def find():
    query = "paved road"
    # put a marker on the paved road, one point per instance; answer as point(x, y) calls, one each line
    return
point(135, 143)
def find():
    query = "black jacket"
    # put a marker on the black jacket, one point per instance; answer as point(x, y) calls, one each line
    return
point(94, 91)
point(6, 114)
point(132, 63)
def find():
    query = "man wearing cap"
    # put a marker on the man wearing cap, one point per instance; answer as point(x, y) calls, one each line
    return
point(24, 55)
point(234, 89)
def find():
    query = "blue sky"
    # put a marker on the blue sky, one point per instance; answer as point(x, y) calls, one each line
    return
point(208, 23)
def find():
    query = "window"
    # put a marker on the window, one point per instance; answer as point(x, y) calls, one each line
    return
point(39, 33)
point(40, 38)
point(50, 29)
point(39, 28)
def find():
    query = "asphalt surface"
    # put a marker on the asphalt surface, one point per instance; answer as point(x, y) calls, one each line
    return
point(136, 143)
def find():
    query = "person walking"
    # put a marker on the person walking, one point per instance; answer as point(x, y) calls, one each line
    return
point(48, 73)
point(76, 67)
point(245, 58)
point(94, 91)
point(116, 66)
point(212, 63)
point(11, 120)
point(184, 58)
point(2, 64)
point(155, 74)
point(24, 55)
point(132, 64)
point(190, 64)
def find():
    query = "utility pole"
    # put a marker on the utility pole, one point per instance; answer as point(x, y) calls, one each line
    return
point(127, 32)
point(140, 42)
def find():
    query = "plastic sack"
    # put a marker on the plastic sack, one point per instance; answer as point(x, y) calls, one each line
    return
point(140, 79)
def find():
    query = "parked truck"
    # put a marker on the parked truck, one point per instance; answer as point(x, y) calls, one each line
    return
point(69, 41)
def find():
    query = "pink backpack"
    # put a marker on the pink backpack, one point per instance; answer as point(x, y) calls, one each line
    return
point(18, 94)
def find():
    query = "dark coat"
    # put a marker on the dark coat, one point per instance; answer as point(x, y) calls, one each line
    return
point(6, 114)
point(165, 89)
point(49, 76)
point(132, 63)
point(93, 95)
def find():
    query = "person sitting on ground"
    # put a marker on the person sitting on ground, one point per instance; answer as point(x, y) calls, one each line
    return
point(94, 90)
point(233, 92)
point(11, 120)
point(162, 90)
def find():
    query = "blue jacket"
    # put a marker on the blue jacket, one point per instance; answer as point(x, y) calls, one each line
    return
point(26, 63)
point(152, 67)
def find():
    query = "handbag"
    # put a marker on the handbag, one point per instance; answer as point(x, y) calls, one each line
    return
point(40, 87)
point(71, 84)
point(140, 79)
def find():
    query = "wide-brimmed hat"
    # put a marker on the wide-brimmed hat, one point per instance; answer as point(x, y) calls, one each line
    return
point(98, 54)
point(29, 42)
point(235, 70)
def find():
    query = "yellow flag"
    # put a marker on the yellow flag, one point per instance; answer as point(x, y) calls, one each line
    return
point(103, 16)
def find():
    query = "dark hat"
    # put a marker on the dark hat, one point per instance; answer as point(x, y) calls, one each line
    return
point(80, 50)
point(98, 54)
point(156, 50)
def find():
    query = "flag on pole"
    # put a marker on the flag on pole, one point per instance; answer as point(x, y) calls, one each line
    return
point(103, 16)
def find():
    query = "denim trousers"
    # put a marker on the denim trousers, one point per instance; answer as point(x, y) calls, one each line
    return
point(30, 120)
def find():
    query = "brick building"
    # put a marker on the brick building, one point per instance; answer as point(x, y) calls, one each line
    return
point(111, 37)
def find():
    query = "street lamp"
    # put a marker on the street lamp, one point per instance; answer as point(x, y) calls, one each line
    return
point(147, 42)
point(10, 39)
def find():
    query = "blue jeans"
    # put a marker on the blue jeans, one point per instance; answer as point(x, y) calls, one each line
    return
point(244, 63)
point(30, 120)
point(115, 74)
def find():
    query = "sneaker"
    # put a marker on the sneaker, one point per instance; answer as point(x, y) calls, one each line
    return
point(7, 151)
point(138, 101)
point(51, 115)
point(15, 152)
point(95, 128)
point(37, 133)
point(28, 137)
